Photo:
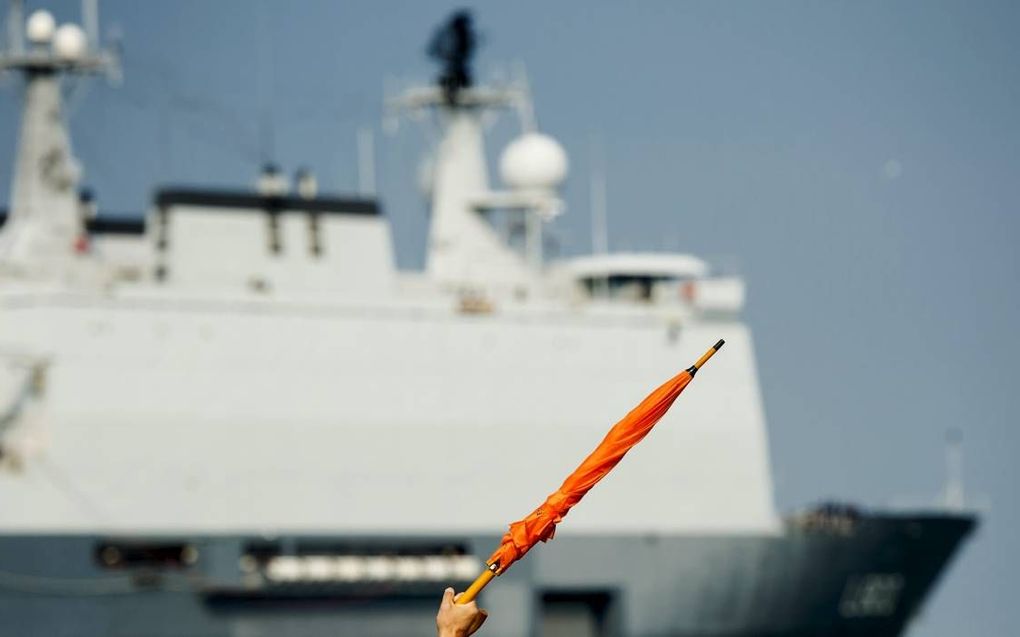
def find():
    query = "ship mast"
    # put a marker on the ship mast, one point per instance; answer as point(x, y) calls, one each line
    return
point(44, 225)
point(465, 251)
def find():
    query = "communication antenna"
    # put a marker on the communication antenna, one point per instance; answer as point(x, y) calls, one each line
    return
point(266, 81)
point(952, 497)
point(366, 161)
point(67, 50)
point(90, 21)
point(597, 196)
point(391, 117)
point(597, 203)
point(15, 24)
point(524, 104)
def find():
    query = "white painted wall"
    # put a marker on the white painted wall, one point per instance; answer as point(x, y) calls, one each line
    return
point(218, 250)
point(183, 413)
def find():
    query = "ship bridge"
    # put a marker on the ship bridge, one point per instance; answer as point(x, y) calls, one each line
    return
point(657, 278)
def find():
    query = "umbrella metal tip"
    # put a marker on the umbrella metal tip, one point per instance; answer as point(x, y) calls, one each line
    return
point(718, 345)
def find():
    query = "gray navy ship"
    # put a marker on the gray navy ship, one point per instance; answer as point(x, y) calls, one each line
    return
point(224, 418)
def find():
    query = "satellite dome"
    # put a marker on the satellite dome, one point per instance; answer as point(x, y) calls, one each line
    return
point(533, 161)
point(40, 27)
point(69, 42)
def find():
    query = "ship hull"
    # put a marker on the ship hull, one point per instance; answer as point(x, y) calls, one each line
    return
point(868, 578)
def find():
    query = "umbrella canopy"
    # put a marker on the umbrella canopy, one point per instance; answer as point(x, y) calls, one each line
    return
point(540, 524)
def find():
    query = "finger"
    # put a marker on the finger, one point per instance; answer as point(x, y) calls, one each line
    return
point(448, 598)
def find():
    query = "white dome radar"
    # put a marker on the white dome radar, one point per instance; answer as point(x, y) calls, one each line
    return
point(533, 161)
point(40, 27)
point(69, 42)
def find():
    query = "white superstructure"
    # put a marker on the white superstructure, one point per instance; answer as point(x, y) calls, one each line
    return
point(255, 361)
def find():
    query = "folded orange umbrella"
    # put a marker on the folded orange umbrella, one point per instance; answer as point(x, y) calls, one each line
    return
point(540, 525)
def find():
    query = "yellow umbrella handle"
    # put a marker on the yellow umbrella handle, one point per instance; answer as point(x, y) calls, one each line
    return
point(476, 587)
point(693, 369)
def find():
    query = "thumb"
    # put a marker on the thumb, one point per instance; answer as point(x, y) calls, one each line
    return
point(447, 598)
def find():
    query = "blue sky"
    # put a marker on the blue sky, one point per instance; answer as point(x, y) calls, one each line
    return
point(856, 161)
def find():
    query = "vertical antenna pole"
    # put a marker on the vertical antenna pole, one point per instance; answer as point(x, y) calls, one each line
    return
point(90, 22)
point(597, 202)
point(597, 194)
point(366, 161)
point(525, 106)
point(266, 82)
point(953, 497)
point(15, 27)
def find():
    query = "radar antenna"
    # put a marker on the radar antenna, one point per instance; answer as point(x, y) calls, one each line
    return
point(453, 45)
point(68, 50)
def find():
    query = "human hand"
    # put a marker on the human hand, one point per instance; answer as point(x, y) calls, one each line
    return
point(458, 620)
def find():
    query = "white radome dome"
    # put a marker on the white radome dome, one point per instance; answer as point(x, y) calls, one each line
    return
point(533, 161)
point(40, 27)
point(69, 42)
